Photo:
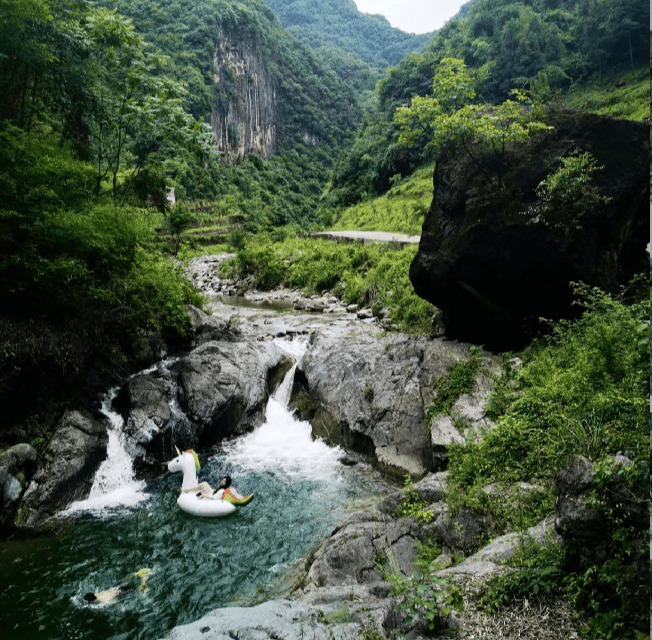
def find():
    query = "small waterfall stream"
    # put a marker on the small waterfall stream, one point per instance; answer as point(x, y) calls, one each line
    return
point(114, 485)
point(197, 564)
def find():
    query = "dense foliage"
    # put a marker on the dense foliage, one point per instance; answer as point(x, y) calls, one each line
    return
point(584, 391)
point(90, 127)
point(327, 23)
point(313, 100)
point(540, 47)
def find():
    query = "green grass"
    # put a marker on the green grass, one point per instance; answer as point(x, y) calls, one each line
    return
point(601, 95)
point(400, 210)
point(375, 276)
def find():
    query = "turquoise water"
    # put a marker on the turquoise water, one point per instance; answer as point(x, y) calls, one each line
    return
point(197, 564)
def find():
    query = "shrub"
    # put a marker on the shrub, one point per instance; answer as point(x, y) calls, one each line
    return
point(412, 504)
point(539, 571)
point(157, 294)
point(456, 383)
point(424, 596)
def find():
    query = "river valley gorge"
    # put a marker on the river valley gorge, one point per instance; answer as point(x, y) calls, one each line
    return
point(320, 411)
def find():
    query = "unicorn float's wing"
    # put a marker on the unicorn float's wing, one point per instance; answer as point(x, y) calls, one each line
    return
point(235, 497)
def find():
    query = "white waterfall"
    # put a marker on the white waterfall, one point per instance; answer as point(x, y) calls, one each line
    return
point(114, 484)
point(283, 443)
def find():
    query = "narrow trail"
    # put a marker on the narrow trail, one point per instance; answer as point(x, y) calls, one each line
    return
point(368, 237)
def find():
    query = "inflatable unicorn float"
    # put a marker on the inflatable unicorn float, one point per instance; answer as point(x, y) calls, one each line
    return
point(199, 498)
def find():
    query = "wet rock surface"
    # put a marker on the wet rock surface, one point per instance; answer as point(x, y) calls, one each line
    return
point(78, 448)
point(218, 390)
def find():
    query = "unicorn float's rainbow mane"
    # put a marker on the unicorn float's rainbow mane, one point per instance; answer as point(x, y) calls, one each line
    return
point(194, 455)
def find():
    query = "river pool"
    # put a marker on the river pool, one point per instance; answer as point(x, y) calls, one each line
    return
point(197, 564)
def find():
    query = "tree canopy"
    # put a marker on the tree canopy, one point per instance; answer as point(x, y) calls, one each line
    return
point(537, 46)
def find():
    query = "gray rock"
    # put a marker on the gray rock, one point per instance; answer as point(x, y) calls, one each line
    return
point(79, 447)
point(462, 532)
point(352, 554)
point(586, 524)
point(218, 389)
point(19, 459)
point(223, 387)
point(490, 559)
point(144, 399)
point(17, 467)
point(431, 488)
point(207, 328)
point(370, 394)
point(273, 620)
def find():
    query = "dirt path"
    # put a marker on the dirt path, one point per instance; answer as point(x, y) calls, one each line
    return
point(368, 237)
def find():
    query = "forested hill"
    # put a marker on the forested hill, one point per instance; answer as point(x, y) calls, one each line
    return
point(324, 23)
point(542, 47)
point(312, 101)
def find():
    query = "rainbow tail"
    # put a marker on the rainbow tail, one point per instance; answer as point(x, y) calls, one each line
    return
point(234, 497)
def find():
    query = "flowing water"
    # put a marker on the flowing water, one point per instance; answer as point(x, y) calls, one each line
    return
point(197, 564)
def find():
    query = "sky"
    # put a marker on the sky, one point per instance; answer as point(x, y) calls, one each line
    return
point(413, 16)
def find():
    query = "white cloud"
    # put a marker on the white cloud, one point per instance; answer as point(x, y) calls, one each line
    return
point(413, 16)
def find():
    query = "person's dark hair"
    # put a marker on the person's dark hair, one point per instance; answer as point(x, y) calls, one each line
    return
point(90, 597)
point(225, 482)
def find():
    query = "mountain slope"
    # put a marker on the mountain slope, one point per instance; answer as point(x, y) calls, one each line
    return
point(338, 22)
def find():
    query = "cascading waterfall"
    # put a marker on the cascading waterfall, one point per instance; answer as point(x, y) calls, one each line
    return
point(114, 484)
point(284, 444)
point(197, 564)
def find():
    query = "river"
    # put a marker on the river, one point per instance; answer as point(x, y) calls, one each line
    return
point(196, 564)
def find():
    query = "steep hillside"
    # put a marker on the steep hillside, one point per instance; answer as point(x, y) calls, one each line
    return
point(541, 47)
point(262, 89)
point(338, 22)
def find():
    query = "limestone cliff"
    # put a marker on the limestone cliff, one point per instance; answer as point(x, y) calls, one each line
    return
point(270, 91)
point(245, 118)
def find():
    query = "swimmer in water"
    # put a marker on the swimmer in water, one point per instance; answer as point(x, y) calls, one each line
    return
point(136, 580)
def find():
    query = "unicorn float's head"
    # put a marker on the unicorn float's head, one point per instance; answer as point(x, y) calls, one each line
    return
point(188, 462)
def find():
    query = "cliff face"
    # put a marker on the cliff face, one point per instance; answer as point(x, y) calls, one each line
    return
point(246, 115)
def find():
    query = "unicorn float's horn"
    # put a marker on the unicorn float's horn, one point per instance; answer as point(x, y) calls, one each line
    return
point(177, 448)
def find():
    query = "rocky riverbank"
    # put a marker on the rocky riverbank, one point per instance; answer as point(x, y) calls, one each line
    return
point(361, 388)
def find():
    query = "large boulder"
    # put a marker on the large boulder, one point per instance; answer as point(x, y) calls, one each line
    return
point(588, 513)
point(494, 266)
point(217, 390)
point(78, 447)
point(371, 395)
point(224, 387)
point(352, 553)
point(272, 620)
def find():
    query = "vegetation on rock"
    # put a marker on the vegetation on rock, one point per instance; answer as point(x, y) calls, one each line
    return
point(583, 391)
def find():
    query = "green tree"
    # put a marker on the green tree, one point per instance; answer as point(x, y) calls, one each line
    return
point(138, 111)
point(447, 115)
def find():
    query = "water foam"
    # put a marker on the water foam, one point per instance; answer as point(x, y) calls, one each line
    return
point(283, 443)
